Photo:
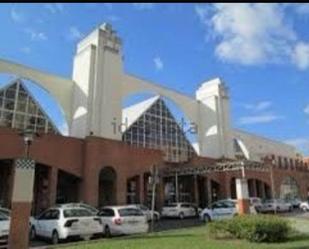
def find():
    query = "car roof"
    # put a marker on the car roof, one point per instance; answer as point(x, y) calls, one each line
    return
point(118, 207)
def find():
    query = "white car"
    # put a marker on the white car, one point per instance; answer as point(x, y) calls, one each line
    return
point(59, 223)
point(180, 210)
point(5, 211)
point(218, 210)
point(4, 228)
point(92, 209)
point(304, 206)
point(147, 212)
point(276, 205)
point(122, 220)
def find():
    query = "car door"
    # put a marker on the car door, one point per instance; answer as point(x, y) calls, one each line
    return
point(217, 210)
point(52, 222)
point(40, 224)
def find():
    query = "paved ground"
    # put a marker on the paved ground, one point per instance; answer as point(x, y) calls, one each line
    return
point(166, 224)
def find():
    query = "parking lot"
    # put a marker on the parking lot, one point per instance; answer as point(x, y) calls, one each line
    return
point(167, 224)
point(161, 225)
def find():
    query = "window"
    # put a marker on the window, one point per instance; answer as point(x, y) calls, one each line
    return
point(107, 212)
point(130, 212)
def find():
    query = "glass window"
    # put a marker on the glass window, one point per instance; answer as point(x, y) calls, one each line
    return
point(107, 212)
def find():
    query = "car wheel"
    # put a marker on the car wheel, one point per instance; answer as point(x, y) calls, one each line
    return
point(107, 232)
point(32, 233)
point(181, 216)
point(55, 238)
point(305, 209)
point(156, 217)
point(206, 218)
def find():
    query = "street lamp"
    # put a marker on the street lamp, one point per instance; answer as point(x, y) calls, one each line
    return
point(28, 136)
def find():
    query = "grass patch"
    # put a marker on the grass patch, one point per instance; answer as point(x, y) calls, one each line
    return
point(189, 238)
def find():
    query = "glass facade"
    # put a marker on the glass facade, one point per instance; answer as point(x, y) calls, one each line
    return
point(19, 110)
point(156, 128)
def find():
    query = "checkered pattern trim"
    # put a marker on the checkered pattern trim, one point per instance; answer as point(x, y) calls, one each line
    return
point(25, 164)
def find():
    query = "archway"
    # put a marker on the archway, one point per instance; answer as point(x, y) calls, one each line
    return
point(107, 186)
point(289, 188)
point(215, 191)
point(6, 182)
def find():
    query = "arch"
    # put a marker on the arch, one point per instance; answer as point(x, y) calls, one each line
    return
point(289, 188)
point(58, 87)
point(132, 85)
point(107, 186)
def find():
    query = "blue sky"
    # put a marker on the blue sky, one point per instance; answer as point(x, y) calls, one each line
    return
point(261, 51)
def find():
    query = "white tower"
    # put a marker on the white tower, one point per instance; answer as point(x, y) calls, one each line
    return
point(214, 131)
point(97, 72)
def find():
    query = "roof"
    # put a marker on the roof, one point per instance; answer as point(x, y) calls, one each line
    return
point(134, 112)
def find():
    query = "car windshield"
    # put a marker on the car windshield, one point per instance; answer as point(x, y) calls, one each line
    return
point(130, 212)
point(3, 217)
point(171, 205)
point(75, 212)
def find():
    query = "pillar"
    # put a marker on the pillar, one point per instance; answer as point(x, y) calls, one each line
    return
point(141, 189)
point(121, 190)
point(196, 192)
point(209, 191)
point(242, 196)
point(21, 203)
point(52, 185)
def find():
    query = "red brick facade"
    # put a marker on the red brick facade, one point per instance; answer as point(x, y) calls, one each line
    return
point(86, 158)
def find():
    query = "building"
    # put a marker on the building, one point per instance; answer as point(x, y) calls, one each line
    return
point(110, 151)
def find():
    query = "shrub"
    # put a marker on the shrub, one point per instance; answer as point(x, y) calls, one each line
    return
point(255, 228)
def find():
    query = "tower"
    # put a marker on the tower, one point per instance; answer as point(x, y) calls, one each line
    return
point(214, 120)
point(97, 73)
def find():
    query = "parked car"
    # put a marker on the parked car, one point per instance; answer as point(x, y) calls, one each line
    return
point(147, 212)
point(122, 220)
point(92, 209)
point(218, 210)
point(62, 222)
point(295, 202)
point(255, 204)
point(5, 211)
point(304, 206)
point(180, 210)
point(276, 205)
point(4, 229)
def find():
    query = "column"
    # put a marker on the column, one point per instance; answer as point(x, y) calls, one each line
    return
point(242, 196)
point(21, 203)
point(141, 188)
point(196, 192)
point(52, 185)
point(121, 190)
point(209, 191)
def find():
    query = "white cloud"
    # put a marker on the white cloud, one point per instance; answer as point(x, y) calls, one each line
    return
point(254, 33)
point(301, 143)
point(306, 110)
point(300, 55)
point(260, 106)
point(74, 33)
point(258, 119)
point(113, 18)
point(35, 35)
point(158, 63)
point(54, 7)
point(143, 6)
point(17, 17)
point(26, 50)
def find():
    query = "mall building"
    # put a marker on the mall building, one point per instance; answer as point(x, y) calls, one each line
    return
point(110, 151)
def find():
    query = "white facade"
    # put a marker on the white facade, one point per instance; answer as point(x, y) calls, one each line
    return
point(92, 100)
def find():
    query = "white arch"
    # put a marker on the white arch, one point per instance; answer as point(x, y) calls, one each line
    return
point(60, 88)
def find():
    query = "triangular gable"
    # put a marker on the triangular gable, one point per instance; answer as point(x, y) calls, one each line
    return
point(40, 115)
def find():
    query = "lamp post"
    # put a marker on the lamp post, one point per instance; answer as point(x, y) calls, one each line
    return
point(22, 196)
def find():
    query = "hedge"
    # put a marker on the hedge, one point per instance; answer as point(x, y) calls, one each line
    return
point(254, 228)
